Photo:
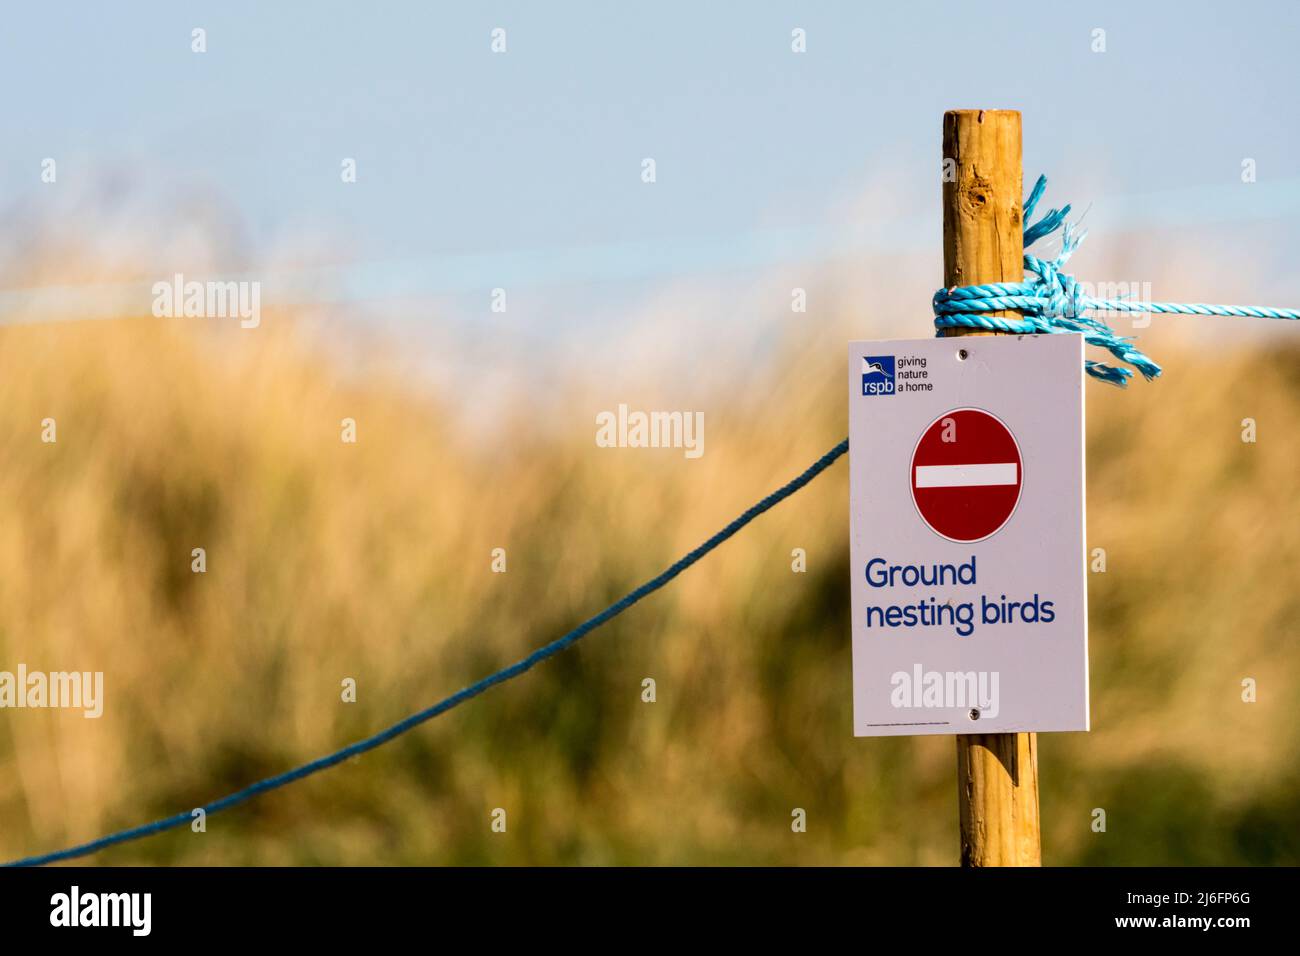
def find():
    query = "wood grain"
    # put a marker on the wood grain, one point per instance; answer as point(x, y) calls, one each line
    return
point(983, 241)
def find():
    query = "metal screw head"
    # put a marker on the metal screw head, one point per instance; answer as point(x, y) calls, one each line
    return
point(974, 713)
point(962, 355)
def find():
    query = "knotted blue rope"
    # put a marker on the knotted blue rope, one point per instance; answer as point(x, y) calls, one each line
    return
point(1050, 300)
point(446, 704)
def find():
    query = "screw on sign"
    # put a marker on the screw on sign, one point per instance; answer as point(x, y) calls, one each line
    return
point(966, 474)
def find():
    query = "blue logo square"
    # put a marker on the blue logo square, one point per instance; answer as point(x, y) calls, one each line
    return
point(878, 375)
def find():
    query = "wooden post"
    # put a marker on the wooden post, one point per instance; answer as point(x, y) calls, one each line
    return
point(983, 241)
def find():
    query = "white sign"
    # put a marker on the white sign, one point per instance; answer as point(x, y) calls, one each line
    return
point(966, 535)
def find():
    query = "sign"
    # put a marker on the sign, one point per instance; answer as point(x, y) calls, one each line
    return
point(966, 474)
point(967, 535)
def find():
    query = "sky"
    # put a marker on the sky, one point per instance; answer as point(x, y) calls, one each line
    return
point(522, 169)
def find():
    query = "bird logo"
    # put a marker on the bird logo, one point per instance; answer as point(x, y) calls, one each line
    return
point(878, 375)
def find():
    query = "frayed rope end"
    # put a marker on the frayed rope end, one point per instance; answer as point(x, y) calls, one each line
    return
point(1049, 303)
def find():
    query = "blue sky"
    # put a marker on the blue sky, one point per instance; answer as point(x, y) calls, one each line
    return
point(479, 169)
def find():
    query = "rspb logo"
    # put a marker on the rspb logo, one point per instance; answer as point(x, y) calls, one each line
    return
point(878, 375)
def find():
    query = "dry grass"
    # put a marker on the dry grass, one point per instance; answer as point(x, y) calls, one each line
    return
point(371, 561)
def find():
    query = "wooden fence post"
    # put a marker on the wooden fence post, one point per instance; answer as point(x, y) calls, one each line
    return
point(997, 774)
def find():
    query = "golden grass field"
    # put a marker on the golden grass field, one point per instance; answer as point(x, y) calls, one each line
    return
point(372, 561)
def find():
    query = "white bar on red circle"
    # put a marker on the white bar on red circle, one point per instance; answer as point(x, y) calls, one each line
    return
point(965, 476)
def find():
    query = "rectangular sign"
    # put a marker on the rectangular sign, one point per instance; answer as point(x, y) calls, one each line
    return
point(967, 535)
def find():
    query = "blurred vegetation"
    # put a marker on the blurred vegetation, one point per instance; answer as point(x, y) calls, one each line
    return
point(372, 561)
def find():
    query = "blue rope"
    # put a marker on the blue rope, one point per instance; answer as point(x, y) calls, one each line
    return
point(1051, 301)
point(500, 677)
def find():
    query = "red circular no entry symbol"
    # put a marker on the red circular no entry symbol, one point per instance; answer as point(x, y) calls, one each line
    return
point(966, 474)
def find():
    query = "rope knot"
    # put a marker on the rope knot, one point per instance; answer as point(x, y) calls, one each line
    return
point(1049, 302)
